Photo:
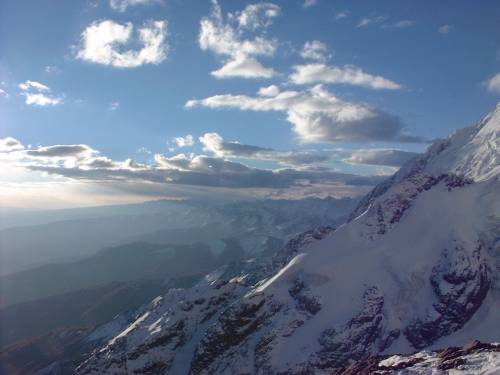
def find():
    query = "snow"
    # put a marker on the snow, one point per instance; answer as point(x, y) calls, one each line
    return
point(130, 328)
point(289, 268)
point(481, 363)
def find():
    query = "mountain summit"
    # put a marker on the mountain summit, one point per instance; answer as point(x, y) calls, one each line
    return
point(415, 267)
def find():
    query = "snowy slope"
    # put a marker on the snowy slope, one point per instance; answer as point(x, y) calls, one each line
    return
point(417, 261)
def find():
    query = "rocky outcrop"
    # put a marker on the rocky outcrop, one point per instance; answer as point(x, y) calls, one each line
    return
point(355, 339)
point(476, 357)
point(460, 283)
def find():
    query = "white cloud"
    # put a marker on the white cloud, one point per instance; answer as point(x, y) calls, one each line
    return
point(42, 100)
point(315, 50)
point(404, 23)
point(27, 85)
point(113, 106)
point(271, 90)
point(309, 3)
point(38, 94)
point(318, 116)
point(257, 16)
point(186, 141)
point(10, 144)
point(342, 14)
point(50, 69)
point(104, 42)
point(243, 66)
point(350, 75)
point(215, 144)
point(228, 40)
point(493, 84)
point(367, 21)
point(445, 29)
point(385, 157)
point(122, 5)
point(4, 94)
point(144, 150)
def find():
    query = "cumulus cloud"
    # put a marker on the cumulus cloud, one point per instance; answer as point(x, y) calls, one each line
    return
point(4, 94)
point(318, 116)
point(315, 50)
point(215, 144)
point(105, 42)
point(271, 90)
point(348, 75)
point(229, 38)
point(444, 29)
point(244, 67)
point(27, 85)
point(256, 16)
point(184, 141)
point(385, 157)
point(493, 84)
point(38, 94)
point(41, 100)
point(122, 5)
point(10, 144)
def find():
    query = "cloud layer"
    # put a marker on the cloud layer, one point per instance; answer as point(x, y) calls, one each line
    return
point(215, 144)
point(82, 163)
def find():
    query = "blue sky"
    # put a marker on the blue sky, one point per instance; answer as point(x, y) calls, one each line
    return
point(407, 71)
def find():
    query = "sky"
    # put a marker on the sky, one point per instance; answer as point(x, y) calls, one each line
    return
point(115, 101)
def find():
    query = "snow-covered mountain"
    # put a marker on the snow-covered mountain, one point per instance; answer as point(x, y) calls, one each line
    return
point(415, 267)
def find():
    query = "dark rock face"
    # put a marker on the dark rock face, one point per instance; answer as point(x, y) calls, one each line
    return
point(386, 213)
point(460, 282)
point(388, 339)
point(391, 211)
point(234, 325)
point(305, 300)
point(355, 339)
